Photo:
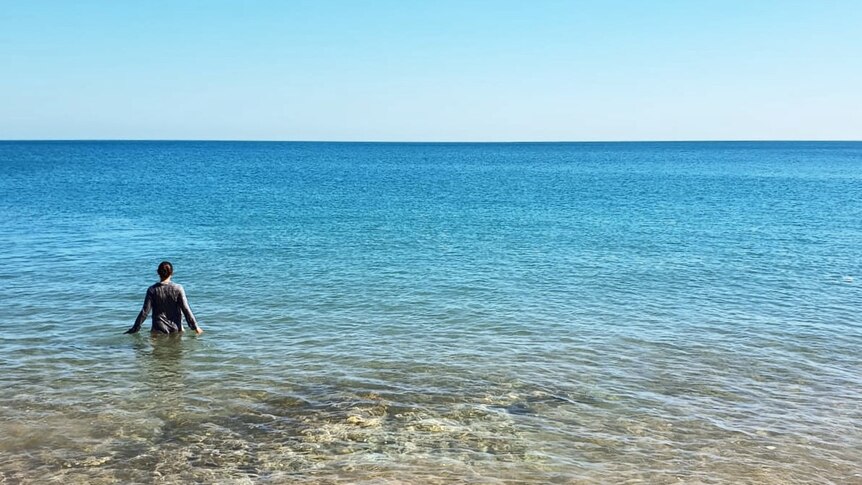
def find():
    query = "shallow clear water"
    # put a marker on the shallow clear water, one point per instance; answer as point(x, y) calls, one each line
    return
point(548, 313)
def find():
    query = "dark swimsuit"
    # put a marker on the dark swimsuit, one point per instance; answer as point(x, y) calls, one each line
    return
point(168, 303)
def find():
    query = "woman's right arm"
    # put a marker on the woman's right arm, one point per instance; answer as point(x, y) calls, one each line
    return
point(145, 310)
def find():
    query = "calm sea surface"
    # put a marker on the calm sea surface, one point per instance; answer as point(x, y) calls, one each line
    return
point(421, 313)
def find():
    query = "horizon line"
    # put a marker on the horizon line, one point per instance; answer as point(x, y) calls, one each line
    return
point(250, 140)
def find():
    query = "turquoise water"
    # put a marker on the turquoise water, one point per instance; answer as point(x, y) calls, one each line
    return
point(421, 313)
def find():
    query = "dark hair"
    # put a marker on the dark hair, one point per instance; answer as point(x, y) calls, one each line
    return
point(165, 270)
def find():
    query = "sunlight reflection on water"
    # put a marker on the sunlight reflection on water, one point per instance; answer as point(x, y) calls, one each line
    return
point(555, 313)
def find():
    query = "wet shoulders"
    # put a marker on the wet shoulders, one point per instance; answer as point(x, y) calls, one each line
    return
point(170, 287)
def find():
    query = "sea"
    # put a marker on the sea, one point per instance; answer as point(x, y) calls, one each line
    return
point(489, 313)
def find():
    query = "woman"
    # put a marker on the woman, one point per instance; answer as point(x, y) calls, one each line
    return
point(168, 302)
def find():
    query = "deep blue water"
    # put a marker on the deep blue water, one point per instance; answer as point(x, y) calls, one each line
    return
point(434, 312)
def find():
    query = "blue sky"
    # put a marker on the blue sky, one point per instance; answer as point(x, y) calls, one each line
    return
point(431, 70)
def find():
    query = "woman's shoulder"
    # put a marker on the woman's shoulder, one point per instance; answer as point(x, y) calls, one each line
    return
point(171, 286)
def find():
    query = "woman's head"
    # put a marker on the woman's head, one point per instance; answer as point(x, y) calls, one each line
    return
point(166, 269)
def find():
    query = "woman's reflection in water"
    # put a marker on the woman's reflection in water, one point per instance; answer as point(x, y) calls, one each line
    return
point(160, 359)
point(169, 395)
